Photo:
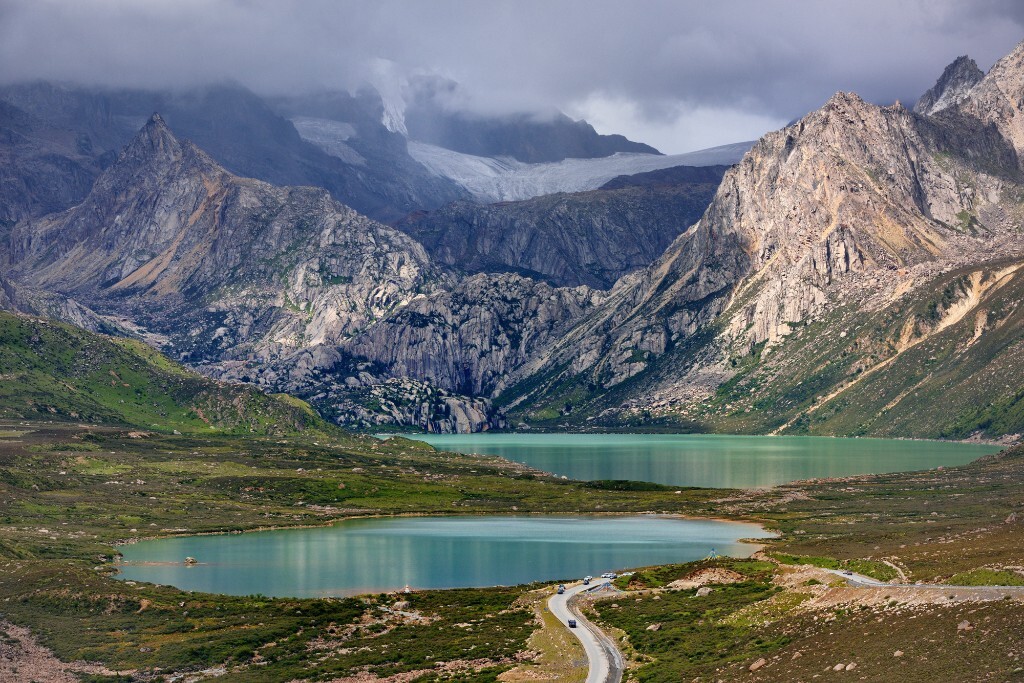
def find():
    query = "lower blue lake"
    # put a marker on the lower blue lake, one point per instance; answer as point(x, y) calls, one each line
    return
point(386, 554)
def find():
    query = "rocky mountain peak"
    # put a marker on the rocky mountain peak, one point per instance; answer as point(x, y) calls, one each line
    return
point(953, 85)
point(153, 141)
point(998, 96)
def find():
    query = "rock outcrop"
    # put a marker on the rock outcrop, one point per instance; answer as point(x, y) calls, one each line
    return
point(16, 298)
point(474, 338)
point(952, 87)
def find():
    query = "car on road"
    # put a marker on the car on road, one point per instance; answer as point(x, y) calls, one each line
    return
point(608, 575)
point(561, 589)
point(847, 572)
point(572, 623)
point(586, 580)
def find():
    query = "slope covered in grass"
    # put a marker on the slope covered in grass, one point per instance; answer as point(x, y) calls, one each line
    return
point(56, 371)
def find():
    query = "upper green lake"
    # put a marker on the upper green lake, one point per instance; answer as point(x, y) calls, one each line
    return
point(385, 554)
point(711, 460)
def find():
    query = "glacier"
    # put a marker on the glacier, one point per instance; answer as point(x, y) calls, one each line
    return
point(503, 179)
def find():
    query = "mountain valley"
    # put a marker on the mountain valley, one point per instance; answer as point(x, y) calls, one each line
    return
point(263, 264)
point(794, 292)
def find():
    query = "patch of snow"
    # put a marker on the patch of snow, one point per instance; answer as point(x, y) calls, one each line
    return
point(496, 179)
point(330, 136)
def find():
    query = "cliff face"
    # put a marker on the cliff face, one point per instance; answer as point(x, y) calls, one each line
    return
point(474, 338)
point(589, 238)
point(853, 206)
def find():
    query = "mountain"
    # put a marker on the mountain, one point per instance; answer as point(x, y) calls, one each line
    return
point(239, 278)
point(856, 269)
point(77, 126)
point(835, 248)
point(524, 137)
point(171, 235)
point(856, 273)
point(590, 238)
point(54, 371)
point(952, 87)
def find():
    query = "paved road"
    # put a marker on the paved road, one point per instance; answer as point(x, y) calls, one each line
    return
point(602, 654)
point(863, 581)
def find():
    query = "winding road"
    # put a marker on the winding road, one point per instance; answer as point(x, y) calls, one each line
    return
point(605, 664)
point(605, 660)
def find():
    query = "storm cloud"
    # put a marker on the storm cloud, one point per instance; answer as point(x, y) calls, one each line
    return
point(678, 75)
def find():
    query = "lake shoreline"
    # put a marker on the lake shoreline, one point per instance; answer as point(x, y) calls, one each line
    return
point(416, 550)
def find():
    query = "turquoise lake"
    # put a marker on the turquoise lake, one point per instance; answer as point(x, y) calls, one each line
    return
point(710, 460)
point(386, 554)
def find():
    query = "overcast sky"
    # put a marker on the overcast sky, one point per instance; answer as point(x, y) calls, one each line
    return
point(677, 75)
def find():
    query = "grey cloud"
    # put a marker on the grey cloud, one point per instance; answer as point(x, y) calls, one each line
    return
point(773, 59)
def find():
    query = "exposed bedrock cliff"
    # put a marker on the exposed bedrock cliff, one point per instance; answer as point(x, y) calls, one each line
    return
point(590, 238)
point(474, 338)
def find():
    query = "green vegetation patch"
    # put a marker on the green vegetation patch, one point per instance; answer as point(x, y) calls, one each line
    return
point(987, 577)
point(58, 372)
point(876, 570)
point(678, 636)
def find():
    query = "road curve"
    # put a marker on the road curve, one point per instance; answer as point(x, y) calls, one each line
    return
point(605, 660)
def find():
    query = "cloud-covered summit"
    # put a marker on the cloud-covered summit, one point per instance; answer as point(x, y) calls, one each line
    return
point(677, 75)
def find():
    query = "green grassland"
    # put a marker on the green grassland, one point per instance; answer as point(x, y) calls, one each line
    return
point(671, 635)
point(69, 493)
point(49, 370)
point(962, 526)
point(91, 473)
